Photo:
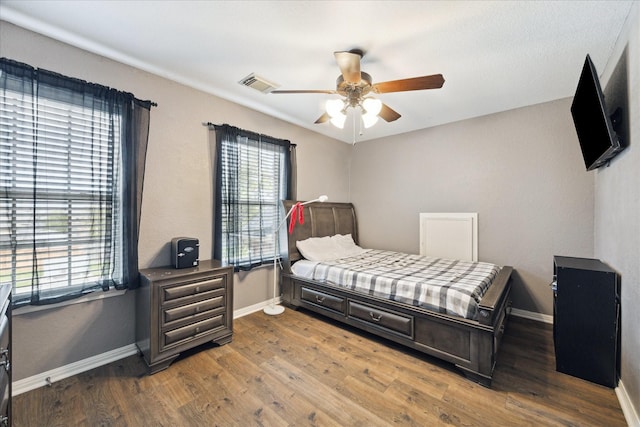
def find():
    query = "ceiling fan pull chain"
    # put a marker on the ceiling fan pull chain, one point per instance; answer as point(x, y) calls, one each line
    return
point(353, 116)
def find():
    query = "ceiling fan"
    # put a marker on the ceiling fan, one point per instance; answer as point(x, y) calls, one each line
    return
point(355, 86)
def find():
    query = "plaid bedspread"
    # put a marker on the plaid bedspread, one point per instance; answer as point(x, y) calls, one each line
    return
point(446, 286)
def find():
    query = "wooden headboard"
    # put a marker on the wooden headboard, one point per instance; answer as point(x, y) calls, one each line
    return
point(320, 219)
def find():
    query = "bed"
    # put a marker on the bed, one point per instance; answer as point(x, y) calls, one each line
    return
point(471, 344)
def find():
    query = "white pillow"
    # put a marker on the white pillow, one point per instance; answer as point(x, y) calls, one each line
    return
point(345, 245)
point(316, 248)
point(328, 248)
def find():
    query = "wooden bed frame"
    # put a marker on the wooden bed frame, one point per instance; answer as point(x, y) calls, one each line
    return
point(471, 345)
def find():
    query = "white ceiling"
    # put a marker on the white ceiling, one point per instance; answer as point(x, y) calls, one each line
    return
point(494, 55)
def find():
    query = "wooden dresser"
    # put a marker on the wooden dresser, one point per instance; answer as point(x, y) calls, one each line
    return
point(178, 309)
point(5, 354)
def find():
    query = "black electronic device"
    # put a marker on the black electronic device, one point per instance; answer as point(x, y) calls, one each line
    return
point(184, 252)
point(595, 125)
point(586, 319)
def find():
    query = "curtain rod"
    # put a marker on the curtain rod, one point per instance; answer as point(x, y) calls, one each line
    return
point(209, 124)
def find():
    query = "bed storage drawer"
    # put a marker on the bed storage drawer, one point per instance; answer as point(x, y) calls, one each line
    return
point(322, 299)
point(394, 322)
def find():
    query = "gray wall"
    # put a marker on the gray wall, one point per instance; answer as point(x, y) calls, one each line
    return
point(177, 195)
point(617, 207)
point(520, 170)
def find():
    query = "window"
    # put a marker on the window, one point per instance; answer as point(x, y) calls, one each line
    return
point(64, 205)
point(253, 176)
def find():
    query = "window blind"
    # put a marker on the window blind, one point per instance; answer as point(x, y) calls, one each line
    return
point(60, 221)
point(253, 178)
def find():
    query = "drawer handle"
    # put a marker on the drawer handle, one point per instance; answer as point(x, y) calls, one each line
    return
point(197, 329)
point(196, 290)
point(319, 299)
point(374, 318)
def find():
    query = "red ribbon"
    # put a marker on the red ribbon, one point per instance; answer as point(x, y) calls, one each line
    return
point(299, 210)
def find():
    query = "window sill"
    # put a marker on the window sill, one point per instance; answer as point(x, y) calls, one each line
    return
point(93, 296)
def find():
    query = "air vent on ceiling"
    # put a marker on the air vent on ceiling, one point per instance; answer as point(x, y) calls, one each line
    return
point(258, 83)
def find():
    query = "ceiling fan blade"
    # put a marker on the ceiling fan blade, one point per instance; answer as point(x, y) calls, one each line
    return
point(304, 91)
point(434, 81)
point(323, 118)
point(349, 64)
point(388, 114)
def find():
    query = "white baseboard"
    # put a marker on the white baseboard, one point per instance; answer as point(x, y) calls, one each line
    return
point(629, 411)
point(545, 318)
point(253, 308)
point(75, 368)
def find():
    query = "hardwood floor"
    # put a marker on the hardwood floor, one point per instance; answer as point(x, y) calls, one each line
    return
point(297, 369)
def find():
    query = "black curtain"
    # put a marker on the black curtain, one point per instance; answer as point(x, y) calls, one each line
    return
point(136, 132)
point(253, 173)
point(102, 155)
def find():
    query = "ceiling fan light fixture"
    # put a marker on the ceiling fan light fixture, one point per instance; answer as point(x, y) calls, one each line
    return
point(369, 120)
point(370, 109)
point(372, 106)
point(338, 121)
point(335, 107)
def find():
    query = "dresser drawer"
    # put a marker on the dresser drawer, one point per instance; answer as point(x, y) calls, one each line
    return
point(394, 322)
point(174, 292)
point(322, 299)
point(176, 336)
point(195, 308)
point(194, 318)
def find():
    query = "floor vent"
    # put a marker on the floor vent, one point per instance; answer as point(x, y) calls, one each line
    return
point(258, 83)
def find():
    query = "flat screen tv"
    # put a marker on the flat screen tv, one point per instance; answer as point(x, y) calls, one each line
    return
point(594, 125)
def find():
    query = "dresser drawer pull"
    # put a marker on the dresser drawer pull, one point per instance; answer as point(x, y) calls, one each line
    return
point(374, 318)
point(319, 299)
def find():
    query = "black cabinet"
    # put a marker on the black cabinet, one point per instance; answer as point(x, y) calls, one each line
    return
point(586, 319)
